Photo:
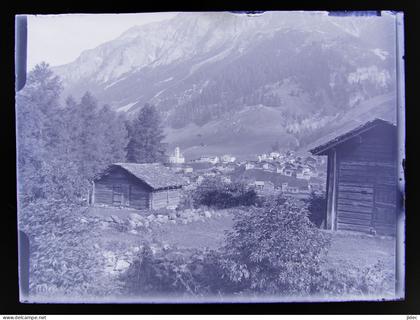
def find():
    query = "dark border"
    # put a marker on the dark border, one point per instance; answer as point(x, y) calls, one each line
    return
point(9, 303)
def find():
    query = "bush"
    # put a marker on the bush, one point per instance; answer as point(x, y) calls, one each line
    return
point(62, 256)
point(219, 194)
point(177, 272)
point(275, 249)
point(348, 279)
point(317, 207)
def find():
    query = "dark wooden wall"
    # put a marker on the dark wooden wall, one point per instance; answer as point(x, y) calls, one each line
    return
point(119, 188)
point(166, 198)
point(366, 182)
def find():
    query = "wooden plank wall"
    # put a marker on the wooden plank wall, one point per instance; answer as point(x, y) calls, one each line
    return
point(136, 195)
point(360, 171)
point(165, 198)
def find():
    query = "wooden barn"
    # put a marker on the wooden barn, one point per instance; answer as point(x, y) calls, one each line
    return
point(138, 186)
point(362, 178)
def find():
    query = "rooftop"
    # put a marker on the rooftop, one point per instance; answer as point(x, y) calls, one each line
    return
point(155, 175)
point(340, 138)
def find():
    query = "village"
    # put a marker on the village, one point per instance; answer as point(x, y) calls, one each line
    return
point(270, 173)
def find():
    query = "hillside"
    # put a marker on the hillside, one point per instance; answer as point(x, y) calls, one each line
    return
point(234, 83)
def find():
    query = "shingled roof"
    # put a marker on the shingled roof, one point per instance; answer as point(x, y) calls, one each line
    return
point(322, 148)
point(155, 175)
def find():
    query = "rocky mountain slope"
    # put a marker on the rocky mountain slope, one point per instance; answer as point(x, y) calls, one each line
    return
point(232, 83)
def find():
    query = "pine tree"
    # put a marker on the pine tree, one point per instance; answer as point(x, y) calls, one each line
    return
point(145, 137)
point(37, 132)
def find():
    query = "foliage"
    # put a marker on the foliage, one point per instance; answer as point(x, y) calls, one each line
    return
point(175, 271)
point(317, 207)
point(275, 249)
point(348, 279)
point(61, 148)
point(62, 254)
point(145, 137)
point(213, 192)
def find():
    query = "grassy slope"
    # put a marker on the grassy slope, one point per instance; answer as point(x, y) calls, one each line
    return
point(358, 249)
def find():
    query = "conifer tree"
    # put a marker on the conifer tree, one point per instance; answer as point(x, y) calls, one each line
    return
point(145, 137)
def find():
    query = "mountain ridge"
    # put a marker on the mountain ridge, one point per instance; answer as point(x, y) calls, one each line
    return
point(204, 68)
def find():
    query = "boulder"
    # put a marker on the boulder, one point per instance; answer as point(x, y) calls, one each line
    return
point(135, 217)
point(122, 265)
point(133, 231)
point(132, 223)
point(207, 214)
point(117, 219)
point(150, 217)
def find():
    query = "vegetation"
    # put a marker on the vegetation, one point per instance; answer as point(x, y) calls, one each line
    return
point(273, 249)
point(146, 135)
point(60, 148)
point(213, 192)
point(317, 206)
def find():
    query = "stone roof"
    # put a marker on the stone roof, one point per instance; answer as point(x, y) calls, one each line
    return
point(155, 175)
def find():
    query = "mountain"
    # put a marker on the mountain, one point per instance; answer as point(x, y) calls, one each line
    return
point(232, 83)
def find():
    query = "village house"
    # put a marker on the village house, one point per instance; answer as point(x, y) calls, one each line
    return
point(263, 186)
point(249, 165)
point(262, 157)
point(227, 158)
point(269, 166)
point(212, 160)
point(138, 186)
point(187, 170)
point(362, 178)
point(274, 155)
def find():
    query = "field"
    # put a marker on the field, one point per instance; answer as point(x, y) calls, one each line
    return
point(356, 249)
point(351, 254)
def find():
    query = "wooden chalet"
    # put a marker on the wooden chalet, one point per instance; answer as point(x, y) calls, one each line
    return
point(138, 186)
point(362, 178)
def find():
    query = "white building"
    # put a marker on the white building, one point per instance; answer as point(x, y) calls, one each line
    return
point(227, 158)
point(262, 157)
point(177, 157)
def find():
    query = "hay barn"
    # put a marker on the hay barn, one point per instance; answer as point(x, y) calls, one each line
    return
point(138, 186)
point(362, 178)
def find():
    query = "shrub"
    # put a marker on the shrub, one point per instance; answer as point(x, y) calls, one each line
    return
point(216, 193)
point(275, 249)
point(317, 207)
point(348, 279)
point(174, 272)
point(62, 256)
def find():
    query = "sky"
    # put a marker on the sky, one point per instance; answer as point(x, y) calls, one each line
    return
point(59, 39)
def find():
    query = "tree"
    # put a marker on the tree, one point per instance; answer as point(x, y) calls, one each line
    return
point(145, 137)
point(37, 132)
